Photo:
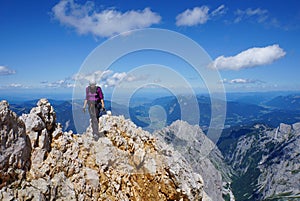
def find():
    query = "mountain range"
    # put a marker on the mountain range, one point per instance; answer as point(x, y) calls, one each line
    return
point(257, 156)
point(272, 111)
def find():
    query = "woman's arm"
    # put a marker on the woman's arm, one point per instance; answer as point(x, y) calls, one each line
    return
point(102, 103)
point(84, 105)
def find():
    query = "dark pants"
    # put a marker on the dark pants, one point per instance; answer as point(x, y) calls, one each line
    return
point(94, 110)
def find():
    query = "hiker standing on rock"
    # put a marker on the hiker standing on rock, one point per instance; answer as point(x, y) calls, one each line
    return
point(95, 101)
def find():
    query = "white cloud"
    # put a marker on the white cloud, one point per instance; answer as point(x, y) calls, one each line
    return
point(66, 83)
point(198, 15)
point(6, 71)
point(241, 81)
point(257, 14)
point(107, 78)
point(221, 10)
point(85, 19)
point(114, 80)
point(15, 85)
point(117, 78)
point(99, 76)
point(252, 57)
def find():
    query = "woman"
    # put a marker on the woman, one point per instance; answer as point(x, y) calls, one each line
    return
point(95, 101)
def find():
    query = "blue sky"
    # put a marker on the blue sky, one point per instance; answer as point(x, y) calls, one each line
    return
point(254, 44)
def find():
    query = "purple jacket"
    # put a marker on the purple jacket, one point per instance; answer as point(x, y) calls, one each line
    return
point(93, 95)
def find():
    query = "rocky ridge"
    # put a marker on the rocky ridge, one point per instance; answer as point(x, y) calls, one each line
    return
point(40, 162)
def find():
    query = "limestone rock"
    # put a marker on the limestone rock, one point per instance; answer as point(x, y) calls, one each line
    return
point(284, 128)
point(127, 164)
point(296, 127)
point(272, 158)
point(15, 146)
point(201, 153)
point(40, 124)
point(280, 167)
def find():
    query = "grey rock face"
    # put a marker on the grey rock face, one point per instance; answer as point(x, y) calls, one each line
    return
point(280, 168)
point(272, 156)
point(40, 125)
point(15, 148)
point(201, 153)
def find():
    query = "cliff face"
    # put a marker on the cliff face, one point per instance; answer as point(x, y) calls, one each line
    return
point(280, 168)
point(40, 162)
point(267, 163)
point(203, 155)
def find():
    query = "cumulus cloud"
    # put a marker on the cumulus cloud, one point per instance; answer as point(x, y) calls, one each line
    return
point(116, 78)
point(107, 78)
point(85, 19)
point(97, 75)
point(101, 77)
point(6, 71)
point(252, 57)
point(198, 15)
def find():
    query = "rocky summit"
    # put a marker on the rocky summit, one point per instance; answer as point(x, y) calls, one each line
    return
point(39, 161)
